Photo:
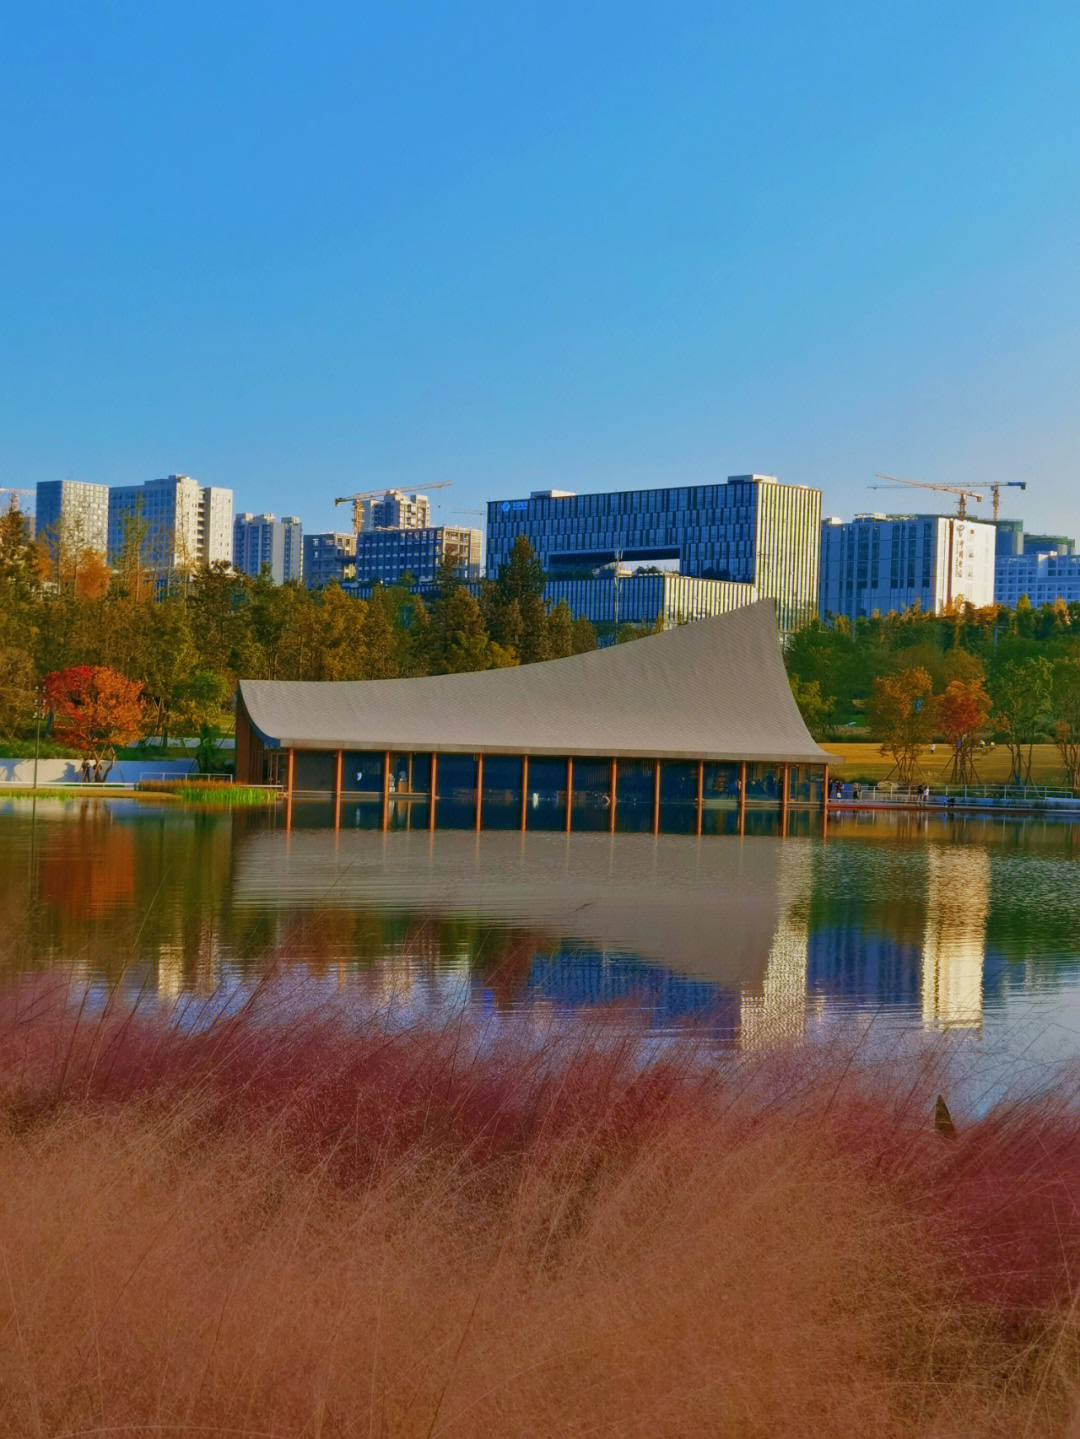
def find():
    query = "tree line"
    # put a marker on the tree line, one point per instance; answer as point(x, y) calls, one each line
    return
point(187, 643)
point(1012, 675)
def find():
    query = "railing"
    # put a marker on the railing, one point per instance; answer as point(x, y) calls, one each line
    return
point(1026, 795)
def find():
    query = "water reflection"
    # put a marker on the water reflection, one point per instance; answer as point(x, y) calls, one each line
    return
point(941, 923)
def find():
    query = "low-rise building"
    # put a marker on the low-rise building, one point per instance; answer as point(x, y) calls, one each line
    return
point(387, 556)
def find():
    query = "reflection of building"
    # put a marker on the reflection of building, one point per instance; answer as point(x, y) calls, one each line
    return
point(954, 946)
point(774, 1008)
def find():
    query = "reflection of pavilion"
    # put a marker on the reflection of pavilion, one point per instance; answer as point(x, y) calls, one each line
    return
point(774, 1008)
point(954, 943)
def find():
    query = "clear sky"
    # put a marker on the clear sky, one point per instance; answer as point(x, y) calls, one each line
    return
point(299, 250)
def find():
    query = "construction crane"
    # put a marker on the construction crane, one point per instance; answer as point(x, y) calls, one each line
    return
point(13, 503)
point(996, 489)
point(962, 493)
point(357, 500)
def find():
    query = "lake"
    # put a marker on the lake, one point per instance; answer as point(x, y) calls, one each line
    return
point(907, 929)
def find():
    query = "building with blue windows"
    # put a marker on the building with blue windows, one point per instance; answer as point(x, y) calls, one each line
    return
point(72, 516)
point(262, 542)
point(386, 556)
point(751, 531)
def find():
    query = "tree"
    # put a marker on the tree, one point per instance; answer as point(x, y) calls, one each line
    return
point(457, 636)
point(16, 689)
point(94, 708)
point(1022, 710)
point(963, 711)
point(560, 631)
point(583, 637)
point(902, 715)
point(812, 706)
point(1065, 706)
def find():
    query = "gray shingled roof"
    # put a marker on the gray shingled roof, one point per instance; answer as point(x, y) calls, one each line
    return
point(714, 689)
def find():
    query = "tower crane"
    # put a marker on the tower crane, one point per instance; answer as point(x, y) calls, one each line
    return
point(962, 493)
point(996, 488)
point(13, 503)
point(358, 499)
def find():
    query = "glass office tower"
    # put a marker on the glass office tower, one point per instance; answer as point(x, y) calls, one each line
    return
point(751, 530)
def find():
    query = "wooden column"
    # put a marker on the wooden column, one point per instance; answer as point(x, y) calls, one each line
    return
point(614, 791)
point(289, 772)
point(386, 790)
point(434, 790)
point(569, 793)
point(700, 794)
point(742, 797)
point(785, 795)
point(656, 797)
point(524, 788)
point(337, 789)
point(479, 789)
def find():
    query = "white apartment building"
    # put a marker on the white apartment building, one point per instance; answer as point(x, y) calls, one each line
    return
point(882, 563)
point(180, 524)
point(265, 542)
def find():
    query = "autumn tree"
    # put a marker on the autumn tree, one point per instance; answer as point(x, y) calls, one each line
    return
point(94, 708)
point(1065, 706)
point(812, 705)
point(1022, 697)
point(962, 714)
point(901, 713)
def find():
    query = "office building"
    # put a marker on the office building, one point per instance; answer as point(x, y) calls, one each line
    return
point(262, 542)
point(386, 556)
point(882, 563)
point(328, 558)
point(178, 523)
point(72, 516)
point(750, 531)
point(644, 599)
point(1040, 578)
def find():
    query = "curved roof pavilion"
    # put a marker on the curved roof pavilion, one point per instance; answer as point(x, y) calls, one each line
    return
point(715, 689)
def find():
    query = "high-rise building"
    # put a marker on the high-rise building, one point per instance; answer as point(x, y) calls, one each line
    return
point(882, 563)
point(72, 515)
point(386, 556)
point(264, 542)
point(328, 557)
point(179, 524)
point(751, 531)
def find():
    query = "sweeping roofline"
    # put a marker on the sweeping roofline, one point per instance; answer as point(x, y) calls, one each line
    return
point(713, 690)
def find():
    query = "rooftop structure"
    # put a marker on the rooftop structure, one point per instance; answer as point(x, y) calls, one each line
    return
point(702, 715)
point(751, 530)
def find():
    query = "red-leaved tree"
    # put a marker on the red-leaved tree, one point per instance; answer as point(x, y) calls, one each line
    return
point(963, 714)
point(94, 708)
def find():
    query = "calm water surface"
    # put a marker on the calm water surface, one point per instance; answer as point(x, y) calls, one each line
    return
point(964, 932)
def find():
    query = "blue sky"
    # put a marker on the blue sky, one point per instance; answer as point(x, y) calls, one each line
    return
point(519, 246)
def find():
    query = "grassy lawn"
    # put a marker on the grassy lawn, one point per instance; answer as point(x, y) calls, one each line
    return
point(865, 761)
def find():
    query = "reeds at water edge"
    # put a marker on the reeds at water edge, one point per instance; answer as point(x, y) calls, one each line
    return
point(286, 1222)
